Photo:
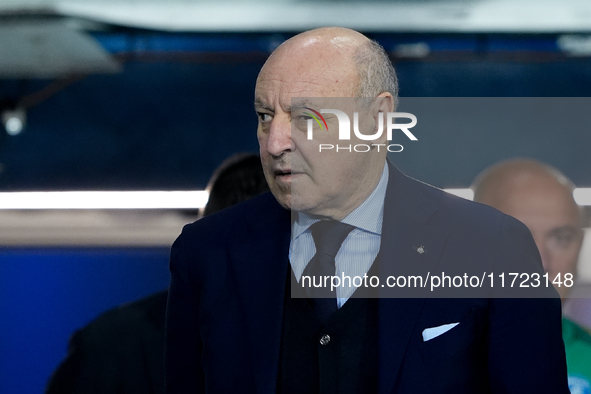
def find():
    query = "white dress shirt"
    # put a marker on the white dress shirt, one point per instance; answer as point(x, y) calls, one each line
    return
point(360, 248)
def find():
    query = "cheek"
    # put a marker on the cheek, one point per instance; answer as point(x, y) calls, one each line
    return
point(261, 139)
point(338, 177)
point(263, 150)
point(262, 135)
point(563, 260)
point(266, 166)
point(569, 257)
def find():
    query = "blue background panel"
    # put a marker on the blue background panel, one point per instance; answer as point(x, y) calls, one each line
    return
point(46, 294)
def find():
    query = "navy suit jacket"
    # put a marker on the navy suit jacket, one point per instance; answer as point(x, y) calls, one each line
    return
point(228, 278)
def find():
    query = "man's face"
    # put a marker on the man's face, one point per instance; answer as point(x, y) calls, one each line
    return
point(328, 183)
point(549, 212)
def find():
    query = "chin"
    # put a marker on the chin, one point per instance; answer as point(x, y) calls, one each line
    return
point(284, 199)
point(303, 205)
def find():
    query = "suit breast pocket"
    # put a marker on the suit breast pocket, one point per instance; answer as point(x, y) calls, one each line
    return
point(456, 360)
point(452, 342)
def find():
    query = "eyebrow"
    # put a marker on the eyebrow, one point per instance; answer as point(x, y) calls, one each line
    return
point(569, 227)
point(260, 104)
point(299, 104)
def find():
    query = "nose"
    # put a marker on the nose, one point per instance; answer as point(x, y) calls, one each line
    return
point(279, 138)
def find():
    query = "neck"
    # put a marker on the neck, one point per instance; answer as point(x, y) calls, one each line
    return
point(351, 202)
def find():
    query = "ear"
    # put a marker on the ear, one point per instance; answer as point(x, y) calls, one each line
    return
point(386, 102)
point(382, 104)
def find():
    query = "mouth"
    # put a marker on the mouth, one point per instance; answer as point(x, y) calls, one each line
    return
point(283, 172)
point(285, 176)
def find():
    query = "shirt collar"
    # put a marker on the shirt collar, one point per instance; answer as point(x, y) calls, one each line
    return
point(368, 216)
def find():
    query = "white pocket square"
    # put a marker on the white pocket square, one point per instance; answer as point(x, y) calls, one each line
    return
point(434, 332)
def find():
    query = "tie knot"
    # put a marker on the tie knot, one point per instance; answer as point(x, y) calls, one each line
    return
point(329, 235)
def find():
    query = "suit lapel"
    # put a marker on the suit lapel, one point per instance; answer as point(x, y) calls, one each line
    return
point(406, 228)
point(260, 267)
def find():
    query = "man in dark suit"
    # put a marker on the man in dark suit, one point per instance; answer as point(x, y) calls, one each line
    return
point(236, 317)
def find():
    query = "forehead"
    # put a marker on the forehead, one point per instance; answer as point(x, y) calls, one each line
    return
point(306, 73)
point(542, 206)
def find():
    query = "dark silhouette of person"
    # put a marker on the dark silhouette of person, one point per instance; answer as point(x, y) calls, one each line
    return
point(122, 351)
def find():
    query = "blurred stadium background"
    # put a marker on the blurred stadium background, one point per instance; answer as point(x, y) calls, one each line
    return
point(134, 96)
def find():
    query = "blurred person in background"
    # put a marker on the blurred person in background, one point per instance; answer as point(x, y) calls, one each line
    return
point(122, 351)
point(541, 197)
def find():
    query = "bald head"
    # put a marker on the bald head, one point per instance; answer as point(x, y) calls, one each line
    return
point(363, 65)
point(499, 184)
point(323, 39)
point(541, 197)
